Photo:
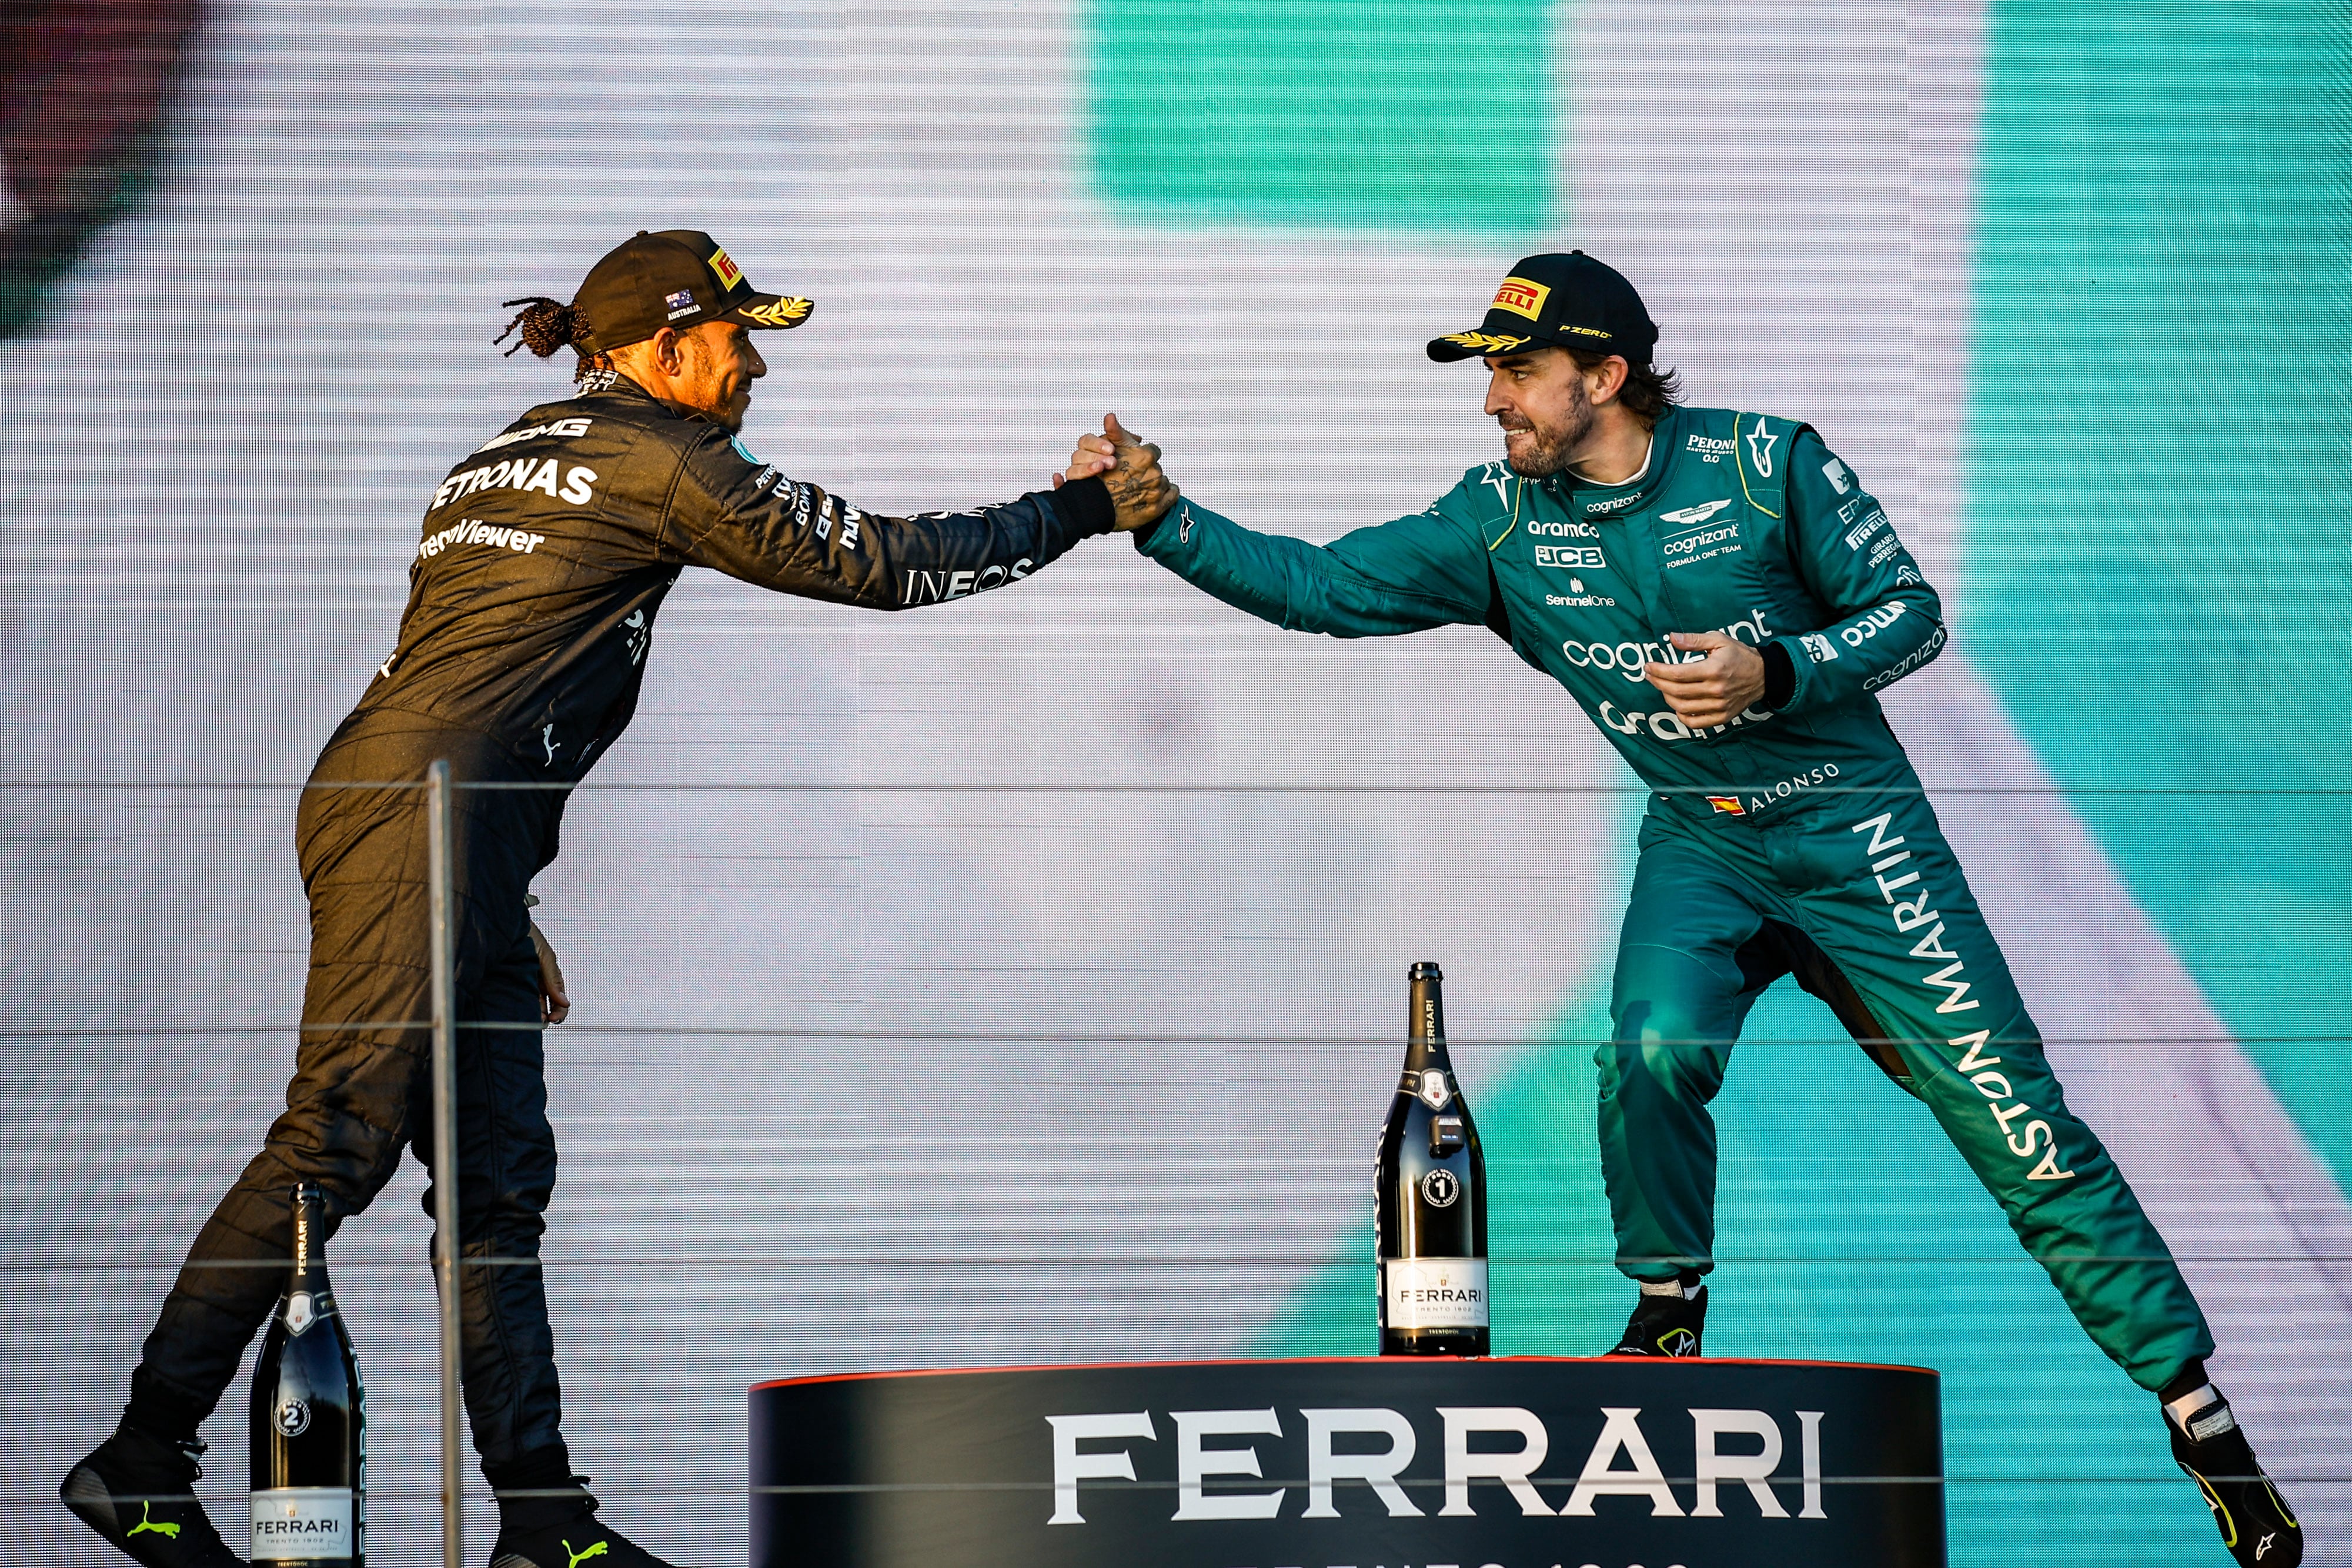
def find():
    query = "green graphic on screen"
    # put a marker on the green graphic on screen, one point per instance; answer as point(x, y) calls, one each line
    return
point(2160, 573)
point(1427, 114)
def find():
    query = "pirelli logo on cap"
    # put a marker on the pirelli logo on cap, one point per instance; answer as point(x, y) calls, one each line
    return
point(1522, 298)
point(729, 275)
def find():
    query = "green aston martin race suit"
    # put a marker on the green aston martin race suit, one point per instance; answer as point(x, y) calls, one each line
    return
point(1795, 840)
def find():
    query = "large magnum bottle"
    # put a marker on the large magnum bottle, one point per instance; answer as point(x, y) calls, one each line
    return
point(1430, 1200)
point(309, 1418)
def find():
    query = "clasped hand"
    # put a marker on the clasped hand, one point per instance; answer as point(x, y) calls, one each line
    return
point(1715, 689)
point(1704, 692)
point(1141, 494)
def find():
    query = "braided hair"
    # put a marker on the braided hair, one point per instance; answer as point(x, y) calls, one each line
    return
point(545, 325)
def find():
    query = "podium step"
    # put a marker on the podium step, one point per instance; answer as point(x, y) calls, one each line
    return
point(1353, 1463)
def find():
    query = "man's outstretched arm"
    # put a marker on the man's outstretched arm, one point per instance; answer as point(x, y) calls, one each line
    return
point(1427, 569)
point(734, 514)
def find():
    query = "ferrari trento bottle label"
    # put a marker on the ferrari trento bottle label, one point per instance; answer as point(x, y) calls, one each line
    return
point(1435, 1293)
point(1429, 1196)
point(306, 1422)
point(303, 1524)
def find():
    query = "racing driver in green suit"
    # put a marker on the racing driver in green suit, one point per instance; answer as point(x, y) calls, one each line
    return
point(1723, 597)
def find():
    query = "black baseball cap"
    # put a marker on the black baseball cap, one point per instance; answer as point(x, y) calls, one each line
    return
point(677, 277)
point(1558, 301)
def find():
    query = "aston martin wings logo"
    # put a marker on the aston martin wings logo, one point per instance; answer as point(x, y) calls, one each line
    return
point(1694, 514)
point(782, 313)
point(1484, 342)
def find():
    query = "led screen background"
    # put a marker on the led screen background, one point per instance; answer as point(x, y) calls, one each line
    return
point(1020, 980)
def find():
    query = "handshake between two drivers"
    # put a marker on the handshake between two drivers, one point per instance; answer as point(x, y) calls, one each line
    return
point(1141, 494)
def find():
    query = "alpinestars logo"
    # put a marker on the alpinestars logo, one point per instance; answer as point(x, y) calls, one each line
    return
point(1759, 449)
point(1499, 475)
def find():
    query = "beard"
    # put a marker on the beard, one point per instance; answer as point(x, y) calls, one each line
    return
point(1547, 453)
point(727, 414)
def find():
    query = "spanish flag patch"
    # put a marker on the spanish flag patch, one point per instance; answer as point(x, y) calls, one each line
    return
point(1727, 803)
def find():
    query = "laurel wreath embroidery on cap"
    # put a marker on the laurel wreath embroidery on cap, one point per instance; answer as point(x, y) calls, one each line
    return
point(782, 313)
point(1484, 342)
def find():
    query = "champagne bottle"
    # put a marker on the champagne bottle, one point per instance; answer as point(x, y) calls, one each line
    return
point(309, 1418)
point(1430, 1197)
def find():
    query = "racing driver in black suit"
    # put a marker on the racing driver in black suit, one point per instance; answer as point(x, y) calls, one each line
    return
point(545, 557)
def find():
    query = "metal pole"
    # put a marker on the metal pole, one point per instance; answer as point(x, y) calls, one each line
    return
point(445, 1154)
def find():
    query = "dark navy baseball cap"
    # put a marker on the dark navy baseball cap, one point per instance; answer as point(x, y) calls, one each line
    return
point(1558, 301)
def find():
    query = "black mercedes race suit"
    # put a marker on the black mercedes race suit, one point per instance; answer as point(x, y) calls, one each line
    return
point(545, 557)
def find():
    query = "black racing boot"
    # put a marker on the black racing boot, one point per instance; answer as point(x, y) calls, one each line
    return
point(561, 1531)
point(2256, 1525)
point(1664, 1326)
point(138, 1491)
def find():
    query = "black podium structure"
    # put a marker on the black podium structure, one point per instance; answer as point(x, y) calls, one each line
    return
point(1520, 1462)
